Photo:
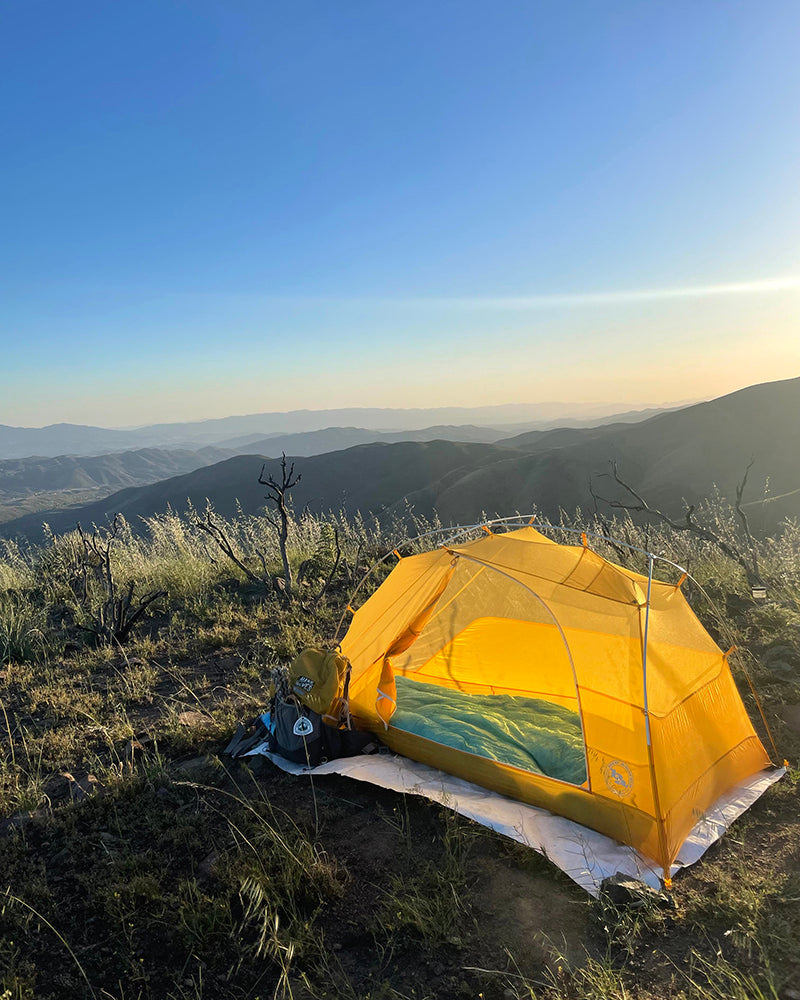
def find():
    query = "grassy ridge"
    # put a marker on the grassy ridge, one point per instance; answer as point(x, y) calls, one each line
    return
point(137, 863)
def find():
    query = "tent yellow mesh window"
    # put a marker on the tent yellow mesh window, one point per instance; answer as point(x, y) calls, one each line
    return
point(551, 675)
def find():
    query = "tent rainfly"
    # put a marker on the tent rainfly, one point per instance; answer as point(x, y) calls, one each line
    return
point(550, 675)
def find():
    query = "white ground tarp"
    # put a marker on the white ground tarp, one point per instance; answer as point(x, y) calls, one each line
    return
point(586, 856)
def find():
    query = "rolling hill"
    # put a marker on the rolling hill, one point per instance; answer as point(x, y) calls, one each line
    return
point(369, 477)
point(689, 452)
point(20, 477)
point(680, 454)
point(33, 485)
point(338, 438)
point(39, 484)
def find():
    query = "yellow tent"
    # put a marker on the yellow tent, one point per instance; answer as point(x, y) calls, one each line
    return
point(558, 649)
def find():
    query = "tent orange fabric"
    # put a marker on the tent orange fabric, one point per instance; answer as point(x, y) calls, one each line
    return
point(663, 727)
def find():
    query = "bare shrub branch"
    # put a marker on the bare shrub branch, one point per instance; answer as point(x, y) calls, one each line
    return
point(217, 533)
point(277, 492)
point(116, 616)
point(332, 573)
point(689, 523)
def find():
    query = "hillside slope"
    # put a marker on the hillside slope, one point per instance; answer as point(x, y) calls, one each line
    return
point(370, 477)
point(690, 452)
point(338, 438)
point(682, 454)
point(22, 476)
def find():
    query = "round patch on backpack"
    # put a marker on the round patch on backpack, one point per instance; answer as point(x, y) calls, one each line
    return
point(303, 727)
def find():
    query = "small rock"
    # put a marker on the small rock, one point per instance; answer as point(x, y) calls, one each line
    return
point(791, 716)
point(780, 650)
point(257, 765)
point(193, 719)
point(206, 865)
point(196, 769)
point(623, 890)
point(56, 787)
point(19, 819)
point(66, 785)
point(782, 660)
point(81, 788)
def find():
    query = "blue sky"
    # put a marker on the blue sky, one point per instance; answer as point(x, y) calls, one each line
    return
point(215, 208)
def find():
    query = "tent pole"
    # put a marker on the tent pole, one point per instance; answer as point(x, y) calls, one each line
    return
point(461, 529)
point(379, 562)
point(662, 840)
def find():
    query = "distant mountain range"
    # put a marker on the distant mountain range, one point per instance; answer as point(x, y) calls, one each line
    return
point(686, 453)
point(234, 432)
point(337, 438)
point(40, 484)
point(69, 480)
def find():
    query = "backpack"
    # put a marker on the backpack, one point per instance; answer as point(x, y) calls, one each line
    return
point(320, 679)
point(308, 721)
point(302, 736)
point(296, 732)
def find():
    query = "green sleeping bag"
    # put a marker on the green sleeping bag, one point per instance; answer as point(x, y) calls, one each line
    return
point(529, 733)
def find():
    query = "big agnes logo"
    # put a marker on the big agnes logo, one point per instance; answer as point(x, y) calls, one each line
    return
point(618, 777)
